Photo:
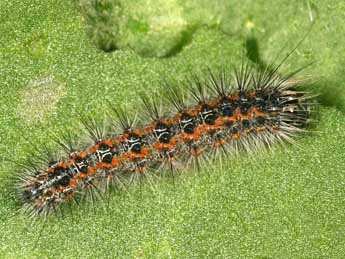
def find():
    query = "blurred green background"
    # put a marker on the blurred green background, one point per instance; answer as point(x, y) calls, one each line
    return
point(60, 58)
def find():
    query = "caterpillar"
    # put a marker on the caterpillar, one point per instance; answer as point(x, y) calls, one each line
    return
point(221, 115)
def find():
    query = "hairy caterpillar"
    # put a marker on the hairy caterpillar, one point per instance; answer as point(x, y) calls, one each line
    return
point(251, 111)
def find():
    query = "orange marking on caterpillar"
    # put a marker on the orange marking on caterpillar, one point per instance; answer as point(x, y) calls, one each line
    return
point(114, 162)
point(160, 145)
point(196, 152)
point(194, 135)
point(219, 142)
point(143, 153)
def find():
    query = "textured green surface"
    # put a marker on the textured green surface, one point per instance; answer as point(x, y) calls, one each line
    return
point(288, 203)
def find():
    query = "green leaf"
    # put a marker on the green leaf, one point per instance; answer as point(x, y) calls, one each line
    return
point(288, 203)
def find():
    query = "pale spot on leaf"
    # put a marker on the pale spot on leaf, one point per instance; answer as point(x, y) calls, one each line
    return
point(39, 99)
